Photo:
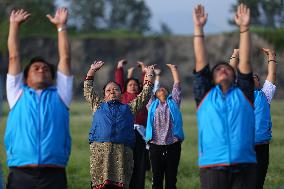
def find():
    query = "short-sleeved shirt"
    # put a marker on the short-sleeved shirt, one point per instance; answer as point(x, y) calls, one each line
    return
point(64, 85)
point(203, 83)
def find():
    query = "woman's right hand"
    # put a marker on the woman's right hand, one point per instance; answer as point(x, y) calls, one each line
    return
point(19, 16)
point(95, 67)
point(149, 72)
point(121, 63)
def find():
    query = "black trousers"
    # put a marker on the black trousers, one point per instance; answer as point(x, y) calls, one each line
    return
point(140, 159)
point(241, 176)
point(37, 178)
point(262, 155)
point(165, 161)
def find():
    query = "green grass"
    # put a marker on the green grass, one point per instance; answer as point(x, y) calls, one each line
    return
point(188, 176)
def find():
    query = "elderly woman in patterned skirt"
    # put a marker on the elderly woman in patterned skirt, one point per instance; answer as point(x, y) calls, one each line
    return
point(112, 136)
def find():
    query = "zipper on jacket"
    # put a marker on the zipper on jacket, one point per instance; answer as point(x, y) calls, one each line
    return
point(227, 128)
point(39, 127)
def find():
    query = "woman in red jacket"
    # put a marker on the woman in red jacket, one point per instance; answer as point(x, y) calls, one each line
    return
point(130, 89)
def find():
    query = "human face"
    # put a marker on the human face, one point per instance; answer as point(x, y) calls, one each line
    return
point(162, 94)
point(223, 74)
point(256, 81)
point(39, 76)
point(132, 87)
point(112, 92)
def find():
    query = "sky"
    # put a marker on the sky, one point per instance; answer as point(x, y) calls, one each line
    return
point(177, 14)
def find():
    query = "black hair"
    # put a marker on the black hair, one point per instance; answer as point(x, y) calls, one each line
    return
point(159, 88)
point(133, 79)
point(109, 83)
point(222, 63)
point(39, 59)
point(257, 76)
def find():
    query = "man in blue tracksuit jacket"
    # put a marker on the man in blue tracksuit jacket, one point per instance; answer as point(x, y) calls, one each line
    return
point(37, 137)
point(263, 124)
point(225, 113)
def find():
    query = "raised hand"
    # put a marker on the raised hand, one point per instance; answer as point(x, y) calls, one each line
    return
point(149, 69)
point(242, 16)
point(199, 16)
point(270, 54)
point(97, 65)
point(236, 52)
point(19, 16)
point(172, 66)
point(157, 71)
point(121, 63)
point(60, 18)
point(141, 65)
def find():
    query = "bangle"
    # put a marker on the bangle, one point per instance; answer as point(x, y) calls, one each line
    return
point(246, 30)
point(274, 61)
point(88, 77)
point(146, 82)
point(61, 28)
point(201, 35)
point(234, 57)
point(149, 75)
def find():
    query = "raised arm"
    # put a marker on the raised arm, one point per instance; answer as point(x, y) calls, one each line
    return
point(234, 59)
point(16, 18)
point(60, 20)
point(143, 73)
point(157, 80)
point(176, 91)
point(242, 19)
point(130, 72)
point(175, 73)
point(144, 96)
point(89, 92)
point(272, 64)
point(119, 75)
point(199, 18)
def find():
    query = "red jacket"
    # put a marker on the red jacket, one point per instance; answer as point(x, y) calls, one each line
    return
point(141, 116)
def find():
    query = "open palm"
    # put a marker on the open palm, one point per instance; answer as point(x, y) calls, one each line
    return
point(97, 65)
point(19, 16)
point(199, 16)
point(60, 17)
point(242, 17)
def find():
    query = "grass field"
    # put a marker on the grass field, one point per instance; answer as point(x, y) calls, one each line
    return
point(188, 176)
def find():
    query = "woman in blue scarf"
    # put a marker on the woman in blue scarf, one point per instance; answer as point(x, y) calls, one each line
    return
point(164, 133)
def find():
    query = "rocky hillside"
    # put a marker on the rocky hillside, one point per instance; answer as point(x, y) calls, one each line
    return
point(174, 50)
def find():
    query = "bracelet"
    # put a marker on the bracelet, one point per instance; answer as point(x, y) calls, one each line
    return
point(246, 30)
point(89, 77)
point(61, 28)
point(201, 35)
point(149, 75)
point(234, 57)
point(146, 82)
point(274, 61)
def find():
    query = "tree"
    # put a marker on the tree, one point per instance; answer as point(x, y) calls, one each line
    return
point(165, 29)
point(38, 23)
point(269, 13)
point(131, 15)
point(87, 15)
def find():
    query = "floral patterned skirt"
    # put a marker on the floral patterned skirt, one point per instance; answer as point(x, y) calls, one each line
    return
point(110, 165)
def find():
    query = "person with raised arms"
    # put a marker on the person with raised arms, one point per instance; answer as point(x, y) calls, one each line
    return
point(225, 113)
point(37, 137)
